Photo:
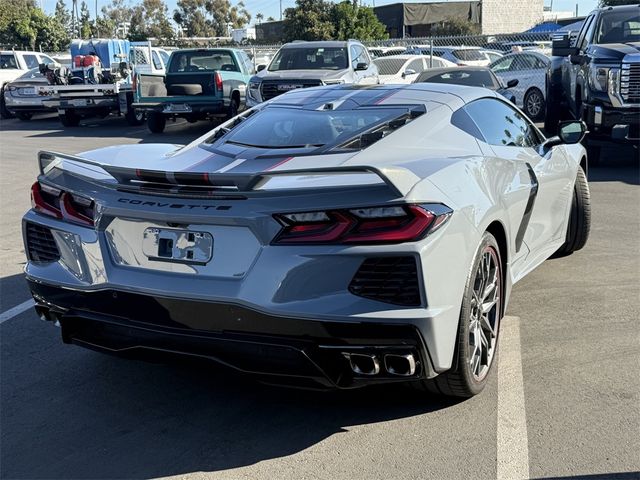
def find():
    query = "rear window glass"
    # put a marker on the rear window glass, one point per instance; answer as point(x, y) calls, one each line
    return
point(8, 62)
point(469, 55)
point(389, 66)
point(277, 127)
point(202, 62)
point(300, 58)
point(470, 78)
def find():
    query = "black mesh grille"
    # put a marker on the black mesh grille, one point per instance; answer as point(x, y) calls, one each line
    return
point(271, 89)
point(41, 247)
point(388, 279)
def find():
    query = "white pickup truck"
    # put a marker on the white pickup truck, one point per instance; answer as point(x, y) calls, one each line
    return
point(13, 64)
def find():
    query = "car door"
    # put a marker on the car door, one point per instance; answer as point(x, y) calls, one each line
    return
point(576, 79)
point(514, 138)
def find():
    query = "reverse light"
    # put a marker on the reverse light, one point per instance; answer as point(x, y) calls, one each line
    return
point(370, 225)
point(63, 205)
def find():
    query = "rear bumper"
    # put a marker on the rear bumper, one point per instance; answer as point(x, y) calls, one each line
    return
point(277, 349)
point(210, 107)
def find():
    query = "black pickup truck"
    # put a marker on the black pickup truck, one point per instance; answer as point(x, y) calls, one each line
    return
point(595, 76)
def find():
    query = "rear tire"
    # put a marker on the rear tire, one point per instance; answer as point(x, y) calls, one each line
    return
point(156, 122)
point(69, 118)
point(233, 108)
point(4, 113)
point(478, 327)
point(533, 104)
point(579, 217)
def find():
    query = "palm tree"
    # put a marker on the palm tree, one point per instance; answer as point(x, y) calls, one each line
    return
point(259, 18)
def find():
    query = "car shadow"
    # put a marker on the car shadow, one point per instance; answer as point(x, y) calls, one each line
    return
point(70, 413)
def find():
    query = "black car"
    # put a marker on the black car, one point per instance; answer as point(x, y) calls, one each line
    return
point(470, 76)
point(595, 77)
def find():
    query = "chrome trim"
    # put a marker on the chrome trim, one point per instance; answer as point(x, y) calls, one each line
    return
point(411, 363)
point(375, 363)
point(618, 83)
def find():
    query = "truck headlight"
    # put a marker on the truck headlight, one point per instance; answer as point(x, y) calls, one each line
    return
point(598, 77)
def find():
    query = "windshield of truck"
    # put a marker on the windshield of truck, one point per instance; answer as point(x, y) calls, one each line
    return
point(202, 61)
point(618, 27)
point(277, 127)
point(469, 55)
point(310, 58)
point(8, 61)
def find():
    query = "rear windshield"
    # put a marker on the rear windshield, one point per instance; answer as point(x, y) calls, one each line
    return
point(277, 127)
point(202, 61)
point(469, 55)
point(8, 61)
point(306, 58)
point(389, 66)
point(470, 78)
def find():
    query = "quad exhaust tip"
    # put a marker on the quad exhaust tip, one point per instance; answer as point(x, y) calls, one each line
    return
point(403, 365)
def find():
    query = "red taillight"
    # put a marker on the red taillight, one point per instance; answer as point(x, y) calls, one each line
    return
point(396, 224)
point(60, 204)
point(217, 78)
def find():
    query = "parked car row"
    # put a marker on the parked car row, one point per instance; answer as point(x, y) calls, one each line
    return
point(198, 84)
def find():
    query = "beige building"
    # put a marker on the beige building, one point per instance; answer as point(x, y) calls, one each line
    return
point(510, 16)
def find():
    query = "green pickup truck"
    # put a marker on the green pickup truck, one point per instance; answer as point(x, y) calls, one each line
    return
point(199, 84)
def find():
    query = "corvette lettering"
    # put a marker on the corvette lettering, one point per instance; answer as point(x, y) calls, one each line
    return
point(187, 206)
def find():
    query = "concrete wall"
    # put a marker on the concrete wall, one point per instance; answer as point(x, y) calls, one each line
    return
point(510, 16)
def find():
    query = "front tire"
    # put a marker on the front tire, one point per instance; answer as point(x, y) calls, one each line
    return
point(134, 117)
point(478, 326)
point(156, 122)
point(533, 104)
point(579, 218)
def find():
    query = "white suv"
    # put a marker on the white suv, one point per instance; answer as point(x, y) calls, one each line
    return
point(310, 64)
point(13, 64)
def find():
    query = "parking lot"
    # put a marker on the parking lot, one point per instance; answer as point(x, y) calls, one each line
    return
point(564, 402)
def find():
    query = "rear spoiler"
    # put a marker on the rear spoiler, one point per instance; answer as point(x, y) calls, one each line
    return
point(399, 180)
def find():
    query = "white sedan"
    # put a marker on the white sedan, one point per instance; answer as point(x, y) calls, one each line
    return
point(530, 69)
point(406, 68)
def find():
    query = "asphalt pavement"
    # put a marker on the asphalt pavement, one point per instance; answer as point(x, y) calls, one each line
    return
point(563, 403)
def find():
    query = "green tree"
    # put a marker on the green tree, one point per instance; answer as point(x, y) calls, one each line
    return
point(309, 20)
point(23, 24)
point(455, 27)
point(191, 16)
point(63, 15)
point(117, 16)
point(224, 15)
point(85, 24)
point(150, 20)
point(270, 19)
point(354, 21)
point(50, 34)
point(104, 27)
point(259, 17)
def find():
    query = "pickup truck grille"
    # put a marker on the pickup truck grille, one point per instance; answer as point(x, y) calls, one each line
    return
point(630, 82)
point(272, 88)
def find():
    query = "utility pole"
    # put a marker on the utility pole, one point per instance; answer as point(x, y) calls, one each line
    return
point(280, 10)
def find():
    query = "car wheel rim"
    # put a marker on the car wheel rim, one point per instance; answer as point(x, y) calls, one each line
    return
point(484, 315)
point(534, 104)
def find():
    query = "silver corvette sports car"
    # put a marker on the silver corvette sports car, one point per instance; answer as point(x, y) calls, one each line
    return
point(335, 236)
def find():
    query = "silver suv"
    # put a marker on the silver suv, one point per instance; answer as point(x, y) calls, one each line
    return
point(310, 64)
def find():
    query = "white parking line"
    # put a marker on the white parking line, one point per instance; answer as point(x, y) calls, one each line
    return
point(512, 440)
point(15, 311)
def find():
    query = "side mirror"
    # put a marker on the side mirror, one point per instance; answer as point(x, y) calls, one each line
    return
point(561, 45)
point(259, 68)
point(408, 71)
point(361, 66)
point(513, 83)
point(569, 132)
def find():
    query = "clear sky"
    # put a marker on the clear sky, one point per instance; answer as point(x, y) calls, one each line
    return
point(272, 8)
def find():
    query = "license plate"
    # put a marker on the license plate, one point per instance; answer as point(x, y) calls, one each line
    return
point(182, 246)
point(177, 107)
point(28, 91)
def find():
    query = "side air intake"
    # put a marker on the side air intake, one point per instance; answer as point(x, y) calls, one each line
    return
point(388, 279)
point(41, 247)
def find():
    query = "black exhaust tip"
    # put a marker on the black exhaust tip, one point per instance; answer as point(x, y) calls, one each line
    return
point(363, 363)
point(401, 365)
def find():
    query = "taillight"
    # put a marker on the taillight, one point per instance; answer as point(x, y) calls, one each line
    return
point(63, 205)
point(369, 225)
point(217, 78)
